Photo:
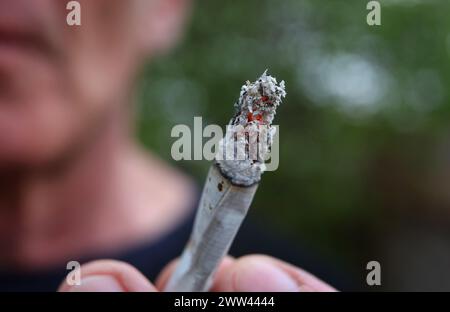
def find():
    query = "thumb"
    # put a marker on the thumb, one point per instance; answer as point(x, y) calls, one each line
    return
point(109, 276)
point(259, 273)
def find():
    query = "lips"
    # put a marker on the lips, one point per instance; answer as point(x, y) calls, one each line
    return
point(18, 39)
point(21, 26)
point(13, 37)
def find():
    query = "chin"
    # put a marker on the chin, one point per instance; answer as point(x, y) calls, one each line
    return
point(31, 138)
point(21, 154)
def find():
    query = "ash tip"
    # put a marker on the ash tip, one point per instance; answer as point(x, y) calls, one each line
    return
point(259, 100)
point(250, 137)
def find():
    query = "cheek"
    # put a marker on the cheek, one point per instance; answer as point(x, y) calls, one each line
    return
point(100, 80)
point(102, 53)
point(35, 135)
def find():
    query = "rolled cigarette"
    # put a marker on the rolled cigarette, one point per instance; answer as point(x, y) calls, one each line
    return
point(230, 185)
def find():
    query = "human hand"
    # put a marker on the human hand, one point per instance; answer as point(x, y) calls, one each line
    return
point(254, 273)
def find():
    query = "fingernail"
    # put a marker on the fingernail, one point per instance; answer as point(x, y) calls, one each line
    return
point(263, 276)
point(98, 283)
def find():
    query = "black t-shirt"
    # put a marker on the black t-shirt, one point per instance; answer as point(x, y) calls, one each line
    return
point(150, 258)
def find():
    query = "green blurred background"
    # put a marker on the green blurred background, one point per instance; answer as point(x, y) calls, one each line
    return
point(364, 130)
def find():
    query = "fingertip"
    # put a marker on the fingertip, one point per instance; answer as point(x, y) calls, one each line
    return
point(109, 275)
point(306, 280)
point(164, 275)
point(258, 273)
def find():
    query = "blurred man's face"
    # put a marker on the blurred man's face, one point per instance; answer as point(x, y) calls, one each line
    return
point(57, 82)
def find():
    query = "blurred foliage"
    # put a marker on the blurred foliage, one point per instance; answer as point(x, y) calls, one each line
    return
point(366, 111)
